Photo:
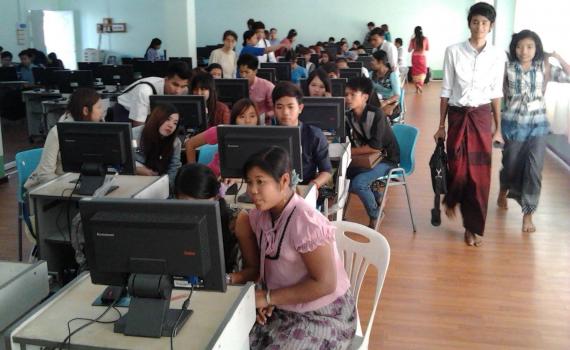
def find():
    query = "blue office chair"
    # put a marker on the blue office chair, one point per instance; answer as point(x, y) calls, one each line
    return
point(26, 163)
point(206, 153)
point(407, 137)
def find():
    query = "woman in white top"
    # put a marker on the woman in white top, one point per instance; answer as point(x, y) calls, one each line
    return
point(226, 56)
point(84, 105)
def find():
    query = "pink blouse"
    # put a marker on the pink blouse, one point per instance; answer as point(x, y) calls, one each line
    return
point(211, 136)
point(299, 229)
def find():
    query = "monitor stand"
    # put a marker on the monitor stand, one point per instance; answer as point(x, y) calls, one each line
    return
point(149, 313)
point(92, 176)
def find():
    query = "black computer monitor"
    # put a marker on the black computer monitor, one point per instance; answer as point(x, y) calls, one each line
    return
point(92, 66)
point(301, 61)
point(366, 61)
point(142, 244)
point(267, 74)
point(354, 64)
point(69, 80)
point(8, 74)
point(338, 86)
point(231, 90)
point(327, 113)
point(191, 108)
point(237, 143)
point(350, 73)
point(45, 77)
point(283, 69)
point(332, 50)
point(188, 60)
point(122, 75)
point(94, 149)
point(151, 69)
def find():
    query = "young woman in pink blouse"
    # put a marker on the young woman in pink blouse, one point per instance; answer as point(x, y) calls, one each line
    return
point(305, 301)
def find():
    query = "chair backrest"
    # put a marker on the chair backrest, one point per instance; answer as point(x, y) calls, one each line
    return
point(357, 256)
point(407, 137)
point(26, 163)
point(207, 153)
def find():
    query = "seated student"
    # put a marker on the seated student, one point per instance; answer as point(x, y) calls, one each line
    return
point(250, 41)
point(6, 57)
point(343, 49)
point(386, 84)
point(259, 88)
point(197, 181)
point(288, 101)
point(325, 58)
point(369, 131)
point(151, 53)
point(318, 84)
point(243, 113)
point(134, 104)
point(25, 67)
point(331, 69)
point(297, 72)
point(203, 85)
point(215, 71)
point(53, 61)
point(355, 45)
point(351, 56)
point(378, 41)
point(259, 29)
point(226, 56)
point(158, 148)
point(85, 106)
point(306, 54)
point(341, 63)
point(306, 291)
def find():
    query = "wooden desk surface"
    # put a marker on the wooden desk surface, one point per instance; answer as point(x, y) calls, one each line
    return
point(129, 185)
point(48, 326)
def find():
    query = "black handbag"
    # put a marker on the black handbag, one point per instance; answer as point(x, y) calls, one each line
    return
point(438, 169)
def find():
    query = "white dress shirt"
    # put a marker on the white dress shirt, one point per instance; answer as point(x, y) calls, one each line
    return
point(392, 52)
point(472, 78)
point(271, 56)
point(137, 101)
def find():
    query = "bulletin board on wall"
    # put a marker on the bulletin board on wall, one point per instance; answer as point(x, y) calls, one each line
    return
point(108, 26)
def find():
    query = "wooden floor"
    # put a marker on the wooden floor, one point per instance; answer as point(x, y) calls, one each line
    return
point(511, 293)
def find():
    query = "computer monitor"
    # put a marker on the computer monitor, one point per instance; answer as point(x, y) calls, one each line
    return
point(231, 90)
point(350, 73)
point(142, 244)
point(120, 75)
point(327, 113)
point(315, 58)
point(188, 60)
point(45, 77)
point(92, 66)
point(283, 69)
point(191, 108)
point(355, 64)
point(366, 61)
point(338, 86)
point(151, 69)
point(332, 50)
point(267, 74)
point(301, 61)
point(69, 80)
point(237, 143)
point(8, 74)
point(94, 149)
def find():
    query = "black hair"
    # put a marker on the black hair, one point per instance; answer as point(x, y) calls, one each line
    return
point(229, 33)
point(196, 181)
point(385, 27)
point(292, 33)
point(341, 59)
point(378, 31)
point(25, 53)
point(158, 150)
point(290, 56)
point(213, 66)
point(179, 69)
point(52, 56)
point(239, 107)
point(330, 67)
point(526, 34)
point(258, 25)
point(250, 22)
point(286, 89)
point(206, 81)
point(248, 34)
point(7, 54)
point(361, 84)
point(382, 56)
point(273, 160)
point(482, 9)
point(419, 37)
point(323, 76)
point(250, 61)
point(273, 29)
point(371, 24)
point(82, 97)
point(154, 42)
point(356, 42)
point(1, 49)
point(331, 39)
point(399, 41)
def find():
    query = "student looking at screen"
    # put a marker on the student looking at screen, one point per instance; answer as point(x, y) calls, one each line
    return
point(151, 53)
point(318, 84)
point(218, 113)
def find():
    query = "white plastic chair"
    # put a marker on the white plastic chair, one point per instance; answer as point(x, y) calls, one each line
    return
point(357, 256)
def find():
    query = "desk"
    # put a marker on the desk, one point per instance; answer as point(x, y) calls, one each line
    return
point(34, 111)
point(52, 204)
point(219, 321)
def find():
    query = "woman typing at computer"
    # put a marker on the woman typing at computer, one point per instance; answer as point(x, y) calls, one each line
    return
point(158, 148)
point(84, 106)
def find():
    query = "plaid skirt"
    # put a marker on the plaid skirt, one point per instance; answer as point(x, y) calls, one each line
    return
point(330, 327)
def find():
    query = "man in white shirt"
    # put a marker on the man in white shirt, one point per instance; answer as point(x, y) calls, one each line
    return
point(134, 103)
point(471, 94)
point(259, 29)
point(379, 43)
